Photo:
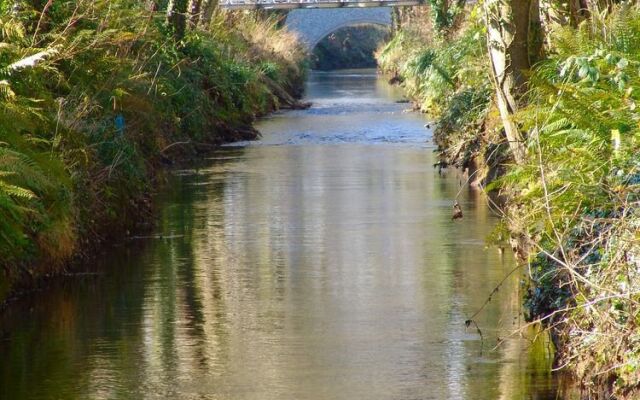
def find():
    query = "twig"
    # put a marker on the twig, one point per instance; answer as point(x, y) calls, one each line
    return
point(175, 144)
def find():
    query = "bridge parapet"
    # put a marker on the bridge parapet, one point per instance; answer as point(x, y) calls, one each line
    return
point(313, 25)
point(292, 4)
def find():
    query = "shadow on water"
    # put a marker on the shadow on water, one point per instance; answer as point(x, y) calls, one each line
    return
point(350, 47)
point(304, 266)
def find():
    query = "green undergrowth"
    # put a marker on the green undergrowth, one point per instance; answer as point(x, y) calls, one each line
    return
point(572, 207)
point(574, 203)
point(95, 96)
point(447, 78)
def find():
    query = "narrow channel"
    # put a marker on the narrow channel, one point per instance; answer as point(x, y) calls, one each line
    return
point(318, 263)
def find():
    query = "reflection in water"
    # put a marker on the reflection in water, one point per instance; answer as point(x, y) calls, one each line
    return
point(320, 263)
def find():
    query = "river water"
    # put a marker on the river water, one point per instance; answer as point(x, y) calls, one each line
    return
point(319, 263)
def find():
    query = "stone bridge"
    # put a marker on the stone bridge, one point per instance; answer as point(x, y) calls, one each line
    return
point(312, 20)
point(292, 4)
point(313, 24)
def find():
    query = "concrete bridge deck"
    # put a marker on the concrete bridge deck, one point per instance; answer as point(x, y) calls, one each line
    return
point(293, 4)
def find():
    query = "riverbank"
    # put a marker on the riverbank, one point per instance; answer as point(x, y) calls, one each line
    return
point(98, 98)
point(571, 203)
point(447, 79)
point(319, 262)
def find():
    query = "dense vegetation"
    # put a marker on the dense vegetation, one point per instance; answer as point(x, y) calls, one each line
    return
point(447, 78)
point(538, 99)
point(350, 47)
point(96, 95)
point(573, 193)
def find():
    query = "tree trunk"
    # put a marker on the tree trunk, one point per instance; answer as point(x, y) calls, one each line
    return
point(555, 13)
point(176, 17)
point(536, 34)
point(459, 16)
point(208, 7)
point(511, 26)
point(194, 13)
point(396, 23)
point(151, 5)
point(578, 11)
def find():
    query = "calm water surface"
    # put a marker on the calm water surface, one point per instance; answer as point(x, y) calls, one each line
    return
point(319, 263)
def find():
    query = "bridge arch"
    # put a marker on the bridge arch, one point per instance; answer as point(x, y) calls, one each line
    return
point(314, 24)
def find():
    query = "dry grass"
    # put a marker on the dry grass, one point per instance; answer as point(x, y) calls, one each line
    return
point(266, 39)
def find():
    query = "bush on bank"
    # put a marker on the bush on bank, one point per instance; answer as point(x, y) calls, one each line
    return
point(96, 95)
point(572, 206)
point(349, 47)
point(447, 77)
point(574, 203)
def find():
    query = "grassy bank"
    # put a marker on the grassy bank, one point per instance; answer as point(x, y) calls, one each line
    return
point(98, 96)
point(446, 77)
point(572, 205)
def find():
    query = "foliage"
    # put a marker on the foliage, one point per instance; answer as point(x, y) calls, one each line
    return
point(573, 204)
point(448, 78)
point(444, 13)
point(349, 47)
point(575, 201)
point(34, 187)
point(93, 93)
point(434, 69)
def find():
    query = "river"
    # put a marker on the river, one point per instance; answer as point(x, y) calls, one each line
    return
point(318, 263)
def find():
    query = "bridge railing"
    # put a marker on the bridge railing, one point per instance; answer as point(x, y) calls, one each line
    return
point(288, 4)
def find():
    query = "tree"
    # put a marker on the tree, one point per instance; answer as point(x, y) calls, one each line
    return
point(554, 13)
point(208, 7)
point(579, 10)
point(194, 12)
point(513, 40)
point(446, 14)
point(151, 5)
point(562, 12)
point(396, 22)
point(176, 17)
